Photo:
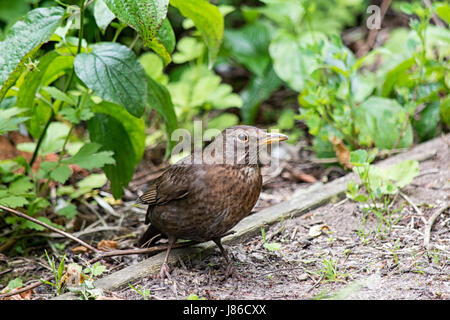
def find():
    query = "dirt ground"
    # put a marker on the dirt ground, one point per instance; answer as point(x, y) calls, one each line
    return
point(340, 263)
point(325, 253)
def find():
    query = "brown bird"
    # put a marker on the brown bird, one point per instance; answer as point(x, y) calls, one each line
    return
point(204, 195)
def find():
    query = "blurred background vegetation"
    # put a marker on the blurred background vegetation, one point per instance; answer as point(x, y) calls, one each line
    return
point(312, 69)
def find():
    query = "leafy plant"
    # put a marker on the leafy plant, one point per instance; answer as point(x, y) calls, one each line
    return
point(57, 273)
point(95, 85)
point(380, 184)
point(271, 246)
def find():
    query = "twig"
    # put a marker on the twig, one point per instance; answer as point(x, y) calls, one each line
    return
point(67, 235)
point(434, 17)
point(429, 225)
point(374, 32)
point(404, 196)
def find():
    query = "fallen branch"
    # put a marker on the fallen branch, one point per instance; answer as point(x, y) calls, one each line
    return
point(65, 234)
point(429, 225)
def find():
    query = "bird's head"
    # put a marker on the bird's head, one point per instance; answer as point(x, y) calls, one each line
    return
point(240, 145)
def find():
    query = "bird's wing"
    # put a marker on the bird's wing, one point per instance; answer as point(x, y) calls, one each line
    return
point(173, 184)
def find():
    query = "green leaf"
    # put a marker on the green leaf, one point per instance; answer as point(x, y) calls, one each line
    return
point(402, 173)
point(153, 67)
point(445, 111)
point(134, 127)
point(9, 120)
point(384, 121)
point(272, 246)
point(207, 19)
point(88, 157)
point(69, 211)
point(146, 17)
point(22, 40)
point(112, 71)
point(107, 131)
point(21, 185)
point(189, 48)
point(443, 11)
point(61, 173)
point(249, 45)
point(359, 157)
point(159, 99)
point(57, 94)
point(259, 89)
point(223, 121)
point(426, 126)
point(93, 181)
point(96, 269)
point(103, 16)
point(13, 201)
point(15, 283)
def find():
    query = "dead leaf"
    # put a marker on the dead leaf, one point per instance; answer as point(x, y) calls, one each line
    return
point(107, 245)
point(79, 249)
point(316, 230)
point(26, 295)
point(342, 153)
point(73, 277)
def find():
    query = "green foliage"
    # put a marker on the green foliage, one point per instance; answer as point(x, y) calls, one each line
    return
point(23, 40)
point(57, 273)
point(113, 72)
point(207, 19)
point(380, 185)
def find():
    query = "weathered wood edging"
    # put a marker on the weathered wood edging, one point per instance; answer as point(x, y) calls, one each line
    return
point(302, 202)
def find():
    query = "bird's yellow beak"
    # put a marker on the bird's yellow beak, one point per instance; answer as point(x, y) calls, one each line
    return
point(274, 137)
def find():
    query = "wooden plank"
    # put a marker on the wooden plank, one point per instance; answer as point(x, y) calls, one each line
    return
point(302, 202)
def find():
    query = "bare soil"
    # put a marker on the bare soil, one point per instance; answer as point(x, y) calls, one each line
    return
point(344, 259)
point(382, 264)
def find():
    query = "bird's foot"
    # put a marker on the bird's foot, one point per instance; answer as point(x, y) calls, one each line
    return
point(164, 273)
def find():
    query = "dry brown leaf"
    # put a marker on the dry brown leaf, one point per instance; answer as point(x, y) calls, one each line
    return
point(79, 249)
point(107, 245)
point(342, 153)
point(26, 295)
point(316, 230)
point(73, 276)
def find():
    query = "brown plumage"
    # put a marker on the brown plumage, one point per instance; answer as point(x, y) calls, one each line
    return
point(202, 200)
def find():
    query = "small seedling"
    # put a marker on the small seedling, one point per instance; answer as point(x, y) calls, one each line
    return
point(330, 271)
point(271, 246)
point(193, 296)
point(145, 293)
point(57, 273)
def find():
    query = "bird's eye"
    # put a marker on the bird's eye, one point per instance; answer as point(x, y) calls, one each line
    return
point(243, 137)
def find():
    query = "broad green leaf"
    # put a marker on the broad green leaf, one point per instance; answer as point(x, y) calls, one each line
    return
point(134, 127)
point(249, 46)
point(20, 186)
point(292, 61)
point(15, 283)
point(223, 121)
point(146, 17)
point(443, 11)
point(188, 48)
point(88, 157)
point(272, 246)
point(57, 94)
point(402, 173)
point(93, 181)
point(112, 71)
point(69, 211)
point(159, 99)
point(103, 16)
point(13, 201)
point(9, 120)
point(153, 66)
point(359, 157)
point(207, 19)
point(110, 133)
point(23, 40)
point(61, 173)
point(384, 122)
point(445, 111)
point(259, 89)
point(426, 126)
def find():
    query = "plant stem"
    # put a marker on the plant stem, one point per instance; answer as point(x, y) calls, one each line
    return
point(41, 138)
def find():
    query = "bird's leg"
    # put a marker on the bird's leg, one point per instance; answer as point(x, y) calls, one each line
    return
point(165, 267)
point(230, 269)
